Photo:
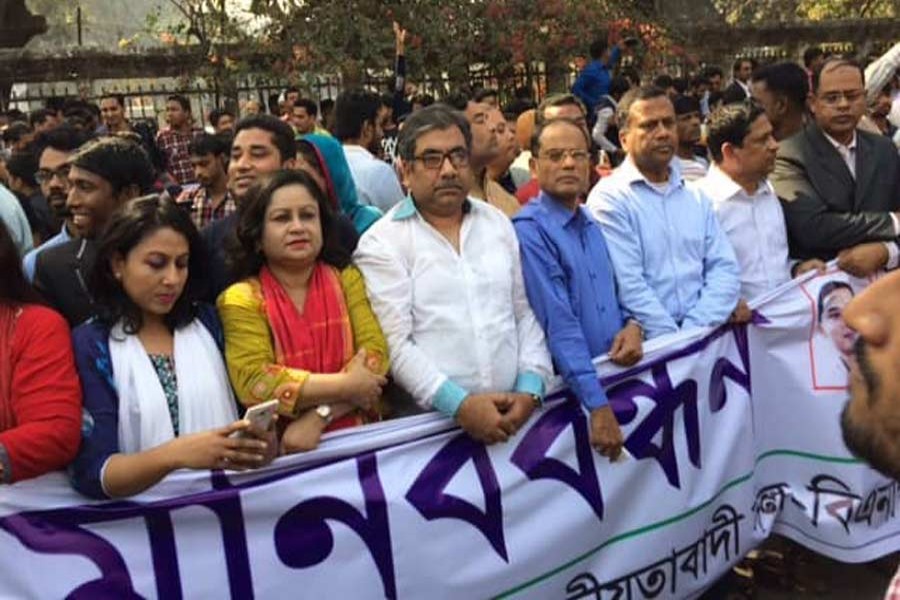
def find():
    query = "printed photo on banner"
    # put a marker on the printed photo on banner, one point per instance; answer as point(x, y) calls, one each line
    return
point(831, 340)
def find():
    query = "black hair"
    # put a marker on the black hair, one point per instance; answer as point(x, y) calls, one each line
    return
point(637, 94)
point(214, 144)
point(482, 93)
point(663, 81)
point(64, 138)
point(826, 291)
point(836, 63)
point(558, 100)
point(311, 107)
point(540, 128)
point(243, 253)
point(632, 75)
point(736, 65)
point(282, 133)
point(16, 131)
point(686, 104)
point(618, 86)
point(326, 104)
point(458, 98)
point(353, 109)
point(435, 117)
point(712, 71)
point(787, 79)
point(23, 165)
point(14, 114)
point(811, 54)
point(597, 48)
point(182, 100)
point(731, 123)
point(120, 161)
point(119, 98)
point(423, 100)
point(15, 289)
point(81, 114)
point(680, 84)
point(307, 150)
point(128, 226)
point(216, 114)
point(699, 80)
point(40, 115)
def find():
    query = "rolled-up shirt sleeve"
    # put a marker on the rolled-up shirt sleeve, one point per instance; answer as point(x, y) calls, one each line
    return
point(535, 368)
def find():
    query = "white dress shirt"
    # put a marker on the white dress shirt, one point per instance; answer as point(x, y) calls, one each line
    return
point(754, 224)
point(456, 323)
point(376, 182)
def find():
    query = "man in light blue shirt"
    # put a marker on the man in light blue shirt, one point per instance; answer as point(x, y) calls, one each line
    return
point(357, 126)
point(674, 265)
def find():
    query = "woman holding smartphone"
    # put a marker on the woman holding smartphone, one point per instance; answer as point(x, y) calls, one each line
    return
point(298, 326)
point(40, 399)
point(156, 389)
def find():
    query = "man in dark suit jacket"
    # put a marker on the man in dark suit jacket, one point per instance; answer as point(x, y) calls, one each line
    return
point(104, 174)
point(840, 187)
point(739, 89)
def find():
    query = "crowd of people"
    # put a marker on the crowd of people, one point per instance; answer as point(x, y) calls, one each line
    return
point(392, 254)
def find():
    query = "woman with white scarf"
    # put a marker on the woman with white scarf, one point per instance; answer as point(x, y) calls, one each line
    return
point(157, 393)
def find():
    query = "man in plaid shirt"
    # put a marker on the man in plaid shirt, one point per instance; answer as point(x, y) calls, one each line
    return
point(871, 416)
point(210, 199)
point(175, 140)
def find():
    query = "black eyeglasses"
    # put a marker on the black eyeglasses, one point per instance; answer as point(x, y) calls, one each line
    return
point(45, 175)
point(434, 160)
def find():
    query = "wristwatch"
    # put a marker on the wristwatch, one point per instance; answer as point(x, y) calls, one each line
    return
point(324, 411)
point(637, 324)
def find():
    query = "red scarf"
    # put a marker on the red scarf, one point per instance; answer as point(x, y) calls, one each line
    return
point(321, 339)
point(8, 317)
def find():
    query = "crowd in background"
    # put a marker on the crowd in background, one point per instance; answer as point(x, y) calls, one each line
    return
point(384, 254)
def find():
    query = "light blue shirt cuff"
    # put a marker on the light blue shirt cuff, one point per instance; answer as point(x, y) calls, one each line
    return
point(448, 398)
point(530, 383)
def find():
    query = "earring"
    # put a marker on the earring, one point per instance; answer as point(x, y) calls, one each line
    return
point(118, 276)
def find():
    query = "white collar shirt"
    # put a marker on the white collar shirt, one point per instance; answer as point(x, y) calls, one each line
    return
point(754, 224)
point(456, 322)
point(847, 152)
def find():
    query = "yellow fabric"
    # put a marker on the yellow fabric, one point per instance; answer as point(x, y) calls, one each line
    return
point(250, 352)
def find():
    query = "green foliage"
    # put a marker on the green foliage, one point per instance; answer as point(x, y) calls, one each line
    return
point(757, 11)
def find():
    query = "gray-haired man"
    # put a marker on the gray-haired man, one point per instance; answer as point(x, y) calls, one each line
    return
point(445, 280)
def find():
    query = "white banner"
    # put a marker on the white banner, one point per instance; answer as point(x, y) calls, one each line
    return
point(733, 433)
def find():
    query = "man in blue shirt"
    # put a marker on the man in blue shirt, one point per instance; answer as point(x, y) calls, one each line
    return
point(674, 265)
point(569, 278)
point(593, 81)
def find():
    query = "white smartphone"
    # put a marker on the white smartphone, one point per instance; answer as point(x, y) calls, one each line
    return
point(261, 415)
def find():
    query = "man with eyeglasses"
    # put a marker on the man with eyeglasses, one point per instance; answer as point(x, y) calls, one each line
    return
point(569, 277)
point(444, 278)
point(674, 265)
point(840, 186)
point(54, 148)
